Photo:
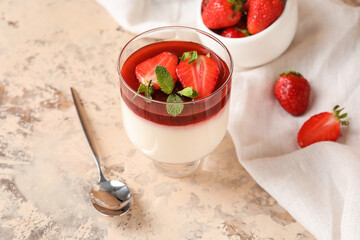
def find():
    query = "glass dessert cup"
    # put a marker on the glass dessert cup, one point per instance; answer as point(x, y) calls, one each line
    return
point(176, 144)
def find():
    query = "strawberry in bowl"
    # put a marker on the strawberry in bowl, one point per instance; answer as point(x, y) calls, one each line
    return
point(218, 14)
point(234, 32)
point(270, 26)
point(260, 14)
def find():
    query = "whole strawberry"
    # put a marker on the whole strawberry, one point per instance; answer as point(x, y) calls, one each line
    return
point(293, 92)
point(262, 13)
point(321, 127)
point(221, 13)
point(234, 32)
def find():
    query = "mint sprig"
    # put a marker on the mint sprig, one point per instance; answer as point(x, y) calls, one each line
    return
point(174, 109)
point(184, 56)
point(164, 79)
point(193, 56)
point(148, 89)
point(189, 92)
point(141, 89)
point(167, 85)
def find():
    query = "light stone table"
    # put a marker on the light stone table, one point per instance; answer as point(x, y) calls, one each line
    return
point(46, 167)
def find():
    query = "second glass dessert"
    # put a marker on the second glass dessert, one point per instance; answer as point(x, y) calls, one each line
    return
point(175, 124)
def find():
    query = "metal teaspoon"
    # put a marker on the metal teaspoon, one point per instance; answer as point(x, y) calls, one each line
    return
point(108, 197)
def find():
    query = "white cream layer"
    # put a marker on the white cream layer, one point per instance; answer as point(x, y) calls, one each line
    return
point(175, 144)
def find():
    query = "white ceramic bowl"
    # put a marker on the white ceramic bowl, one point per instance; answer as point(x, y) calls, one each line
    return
point(262, 47)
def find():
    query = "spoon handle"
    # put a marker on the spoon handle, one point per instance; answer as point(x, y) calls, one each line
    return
point(87, 129)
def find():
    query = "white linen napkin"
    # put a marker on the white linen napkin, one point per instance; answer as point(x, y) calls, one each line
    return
point(320, 184)
point(138, 16)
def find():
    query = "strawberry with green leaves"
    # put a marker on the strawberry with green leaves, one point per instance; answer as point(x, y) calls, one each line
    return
point(292, 91)
point(221, 13)
point(199, 72)
point(262, 13)
point(234, 32)
point(198, 75)
point(153, 76)
point(322, 127)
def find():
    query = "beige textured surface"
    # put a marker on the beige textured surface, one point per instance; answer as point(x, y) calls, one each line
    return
point(45, 163)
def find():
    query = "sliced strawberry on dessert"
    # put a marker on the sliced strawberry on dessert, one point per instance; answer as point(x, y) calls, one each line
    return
point(221, 13)
point(198, 71)
point(145, 71)
point(234, 32)
point(292, 91)
point(321, 127)
point(262, 13)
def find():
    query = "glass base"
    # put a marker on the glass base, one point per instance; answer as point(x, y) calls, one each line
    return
point(178, 170)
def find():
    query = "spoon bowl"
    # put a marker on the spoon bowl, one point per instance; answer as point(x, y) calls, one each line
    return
point(112, 195)
point(108, 197)
point(112, 213)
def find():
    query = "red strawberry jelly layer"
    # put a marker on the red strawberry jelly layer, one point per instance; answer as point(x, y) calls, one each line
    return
point(156, 112)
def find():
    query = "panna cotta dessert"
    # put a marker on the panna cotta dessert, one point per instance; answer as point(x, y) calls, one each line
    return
point(175, 98)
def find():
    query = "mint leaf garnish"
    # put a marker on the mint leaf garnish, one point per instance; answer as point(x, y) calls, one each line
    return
point(194, 56)
point(148, 89)
point(148, 95)
point(164, 79)
point(167, 85)
point(142, 88)
point(189, 92)
point(174, 109)
point(185, 55)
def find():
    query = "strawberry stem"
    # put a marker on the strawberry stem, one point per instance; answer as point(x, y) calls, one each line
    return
point(340, 117)
point(291, 72)
point(236, 5)
point(244, 31)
